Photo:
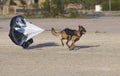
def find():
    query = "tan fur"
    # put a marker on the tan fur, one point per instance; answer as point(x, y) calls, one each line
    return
point(63, 34)
point(77, 33)
point(68, 37)
point(54, 32)
point(74, 38)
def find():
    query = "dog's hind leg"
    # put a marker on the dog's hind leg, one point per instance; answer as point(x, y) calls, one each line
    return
point(64, 36)
point(67, 43)
point(62, 41)
point(68, 39)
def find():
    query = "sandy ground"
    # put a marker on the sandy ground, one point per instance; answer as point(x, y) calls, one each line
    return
point(96, 54)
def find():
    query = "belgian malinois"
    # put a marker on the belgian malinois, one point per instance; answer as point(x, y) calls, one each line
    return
point(70, 35)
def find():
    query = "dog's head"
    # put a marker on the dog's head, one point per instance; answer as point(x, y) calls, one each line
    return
point(82, 29)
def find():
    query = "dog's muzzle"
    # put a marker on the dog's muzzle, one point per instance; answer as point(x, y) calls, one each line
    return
point(83, 33)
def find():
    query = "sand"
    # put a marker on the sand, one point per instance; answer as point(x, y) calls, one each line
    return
point(97, 53)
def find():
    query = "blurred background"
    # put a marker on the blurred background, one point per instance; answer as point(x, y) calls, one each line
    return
point(59, 8)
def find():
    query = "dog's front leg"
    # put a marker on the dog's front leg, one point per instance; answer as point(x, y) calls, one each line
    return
point(72, 46)
point(74, 39)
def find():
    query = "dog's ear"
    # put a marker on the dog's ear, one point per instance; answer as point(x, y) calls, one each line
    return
point(79, 27)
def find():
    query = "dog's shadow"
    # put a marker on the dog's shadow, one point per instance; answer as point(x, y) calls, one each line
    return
point(43, 45)
point(85, 46)
point(52, 44)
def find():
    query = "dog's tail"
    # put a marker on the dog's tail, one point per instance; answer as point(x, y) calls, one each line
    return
point(53, 31)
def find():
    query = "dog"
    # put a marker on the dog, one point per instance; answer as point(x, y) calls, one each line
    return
point(70, 35)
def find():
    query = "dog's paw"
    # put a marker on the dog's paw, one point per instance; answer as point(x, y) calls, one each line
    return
point(70, 49)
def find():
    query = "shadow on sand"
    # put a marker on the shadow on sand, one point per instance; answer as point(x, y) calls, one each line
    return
point(51, 44)
point(85, 46)
point(48, 44)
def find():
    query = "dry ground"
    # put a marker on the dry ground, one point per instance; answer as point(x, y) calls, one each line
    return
point(96, 54)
